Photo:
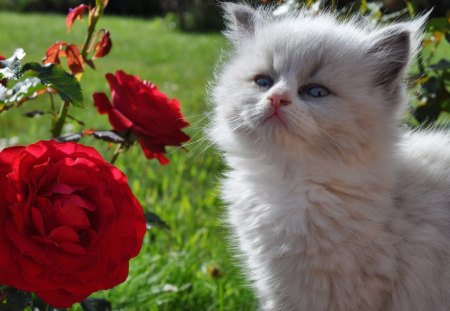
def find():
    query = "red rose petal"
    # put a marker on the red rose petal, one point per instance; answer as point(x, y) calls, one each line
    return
point(37, 151)
point(63, 188)
point(150, 154)
point(70, 214)
point(64, 234)
point(83, 203)
point(119, 121)
point(77, 168)
point(7, 155)
point(101, 102)
point(24, 245)
point(38, 222)
point(72, 248)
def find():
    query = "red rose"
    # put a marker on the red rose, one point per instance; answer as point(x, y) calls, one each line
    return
point(140, 107)
point(69, 223)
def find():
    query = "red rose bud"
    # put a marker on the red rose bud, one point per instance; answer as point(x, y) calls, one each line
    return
point(69, 223)
point(140, 107)
point(76, 13)
point(103, 45)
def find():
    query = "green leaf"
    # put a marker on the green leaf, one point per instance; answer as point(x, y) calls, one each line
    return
point(443, 64)
point(447, 37)
point(109, 136)
point(154, 220)
point(438, 24)
point(9, 307)
point(69, 137)
point(446, 105)
point(96, 304)
point(22, 90)
point(19, 298)
point(56, 77)
point(34, 113)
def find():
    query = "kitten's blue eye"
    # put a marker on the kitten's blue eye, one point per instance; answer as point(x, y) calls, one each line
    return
point(263, 81)
point(317, 91)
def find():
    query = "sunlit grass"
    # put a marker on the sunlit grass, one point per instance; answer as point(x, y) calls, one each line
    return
point(171, 272)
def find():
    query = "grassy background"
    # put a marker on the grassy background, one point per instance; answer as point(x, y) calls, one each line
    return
point(173, 270)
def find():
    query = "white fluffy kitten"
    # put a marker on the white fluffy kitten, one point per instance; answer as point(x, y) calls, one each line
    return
point(333, 207)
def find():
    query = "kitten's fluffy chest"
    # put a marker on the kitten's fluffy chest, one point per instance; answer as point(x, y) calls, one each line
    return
point(318, 234)
point(294, 201)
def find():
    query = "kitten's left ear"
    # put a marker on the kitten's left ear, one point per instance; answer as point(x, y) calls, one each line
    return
point(241, 19)
point(391, 49)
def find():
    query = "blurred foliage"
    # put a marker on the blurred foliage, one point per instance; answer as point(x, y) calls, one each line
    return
point(191, 15)
point(194, 15)
point(432, 80)
point(39, 5)
point(117, 7)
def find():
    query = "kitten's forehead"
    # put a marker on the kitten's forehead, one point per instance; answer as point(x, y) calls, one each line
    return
point(305, 42)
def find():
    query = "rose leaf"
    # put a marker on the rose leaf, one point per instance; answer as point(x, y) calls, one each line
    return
point(96, 304)
point(153, 220)
point(109, 136)
point(55, 76)
point(69, 137)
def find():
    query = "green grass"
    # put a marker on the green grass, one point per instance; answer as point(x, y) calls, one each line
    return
point(184, 193)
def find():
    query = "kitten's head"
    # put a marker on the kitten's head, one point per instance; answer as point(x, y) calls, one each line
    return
point(309, 85)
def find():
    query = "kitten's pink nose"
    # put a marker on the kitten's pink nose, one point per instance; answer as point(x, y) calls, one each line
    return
point(278, 100)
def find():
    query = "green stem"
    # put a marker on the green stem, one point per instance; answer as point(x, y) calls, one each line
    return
point(119, 150)
point(122, 147)
point(91, 29)
point(61, 119)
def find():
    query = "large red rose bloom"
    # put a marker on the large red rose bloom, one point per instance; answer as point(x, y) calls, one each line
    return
point(140, 107)
point(69, 223)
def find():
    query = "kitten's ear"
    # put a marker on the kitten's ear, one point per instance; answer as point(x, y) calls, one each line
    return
point(240, 20)
point(391, 49)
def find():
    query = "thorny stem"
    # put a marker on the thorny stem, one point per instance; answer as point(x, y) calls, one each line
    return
point(52, 101)
point(91, 29)
point(116, 154)
point(53, 113)
point(60, 120)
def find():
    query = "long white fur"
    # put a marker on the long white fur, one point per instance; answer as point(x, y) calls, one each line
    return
point(337, 208)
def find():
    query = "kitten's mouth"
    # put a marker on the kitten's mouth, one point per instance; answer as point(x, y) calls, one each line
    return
point(276, 118)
